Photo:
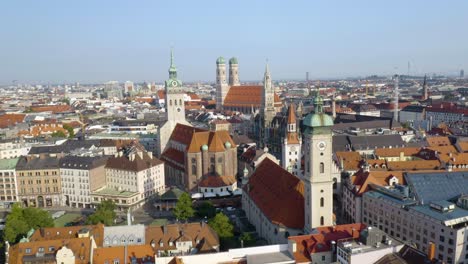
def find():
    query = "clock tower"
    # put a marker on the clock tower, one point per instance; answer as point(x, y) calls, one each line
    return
point(175, 106)
point(318, 180)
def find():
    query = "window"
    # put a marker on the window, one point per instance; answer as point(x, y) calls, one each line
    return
point(322, 202)
point(27, 251)
point(322, 167)
point(322, 221)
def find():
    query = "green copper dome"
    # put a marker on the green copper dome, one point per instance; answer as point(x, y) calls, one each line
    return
point(220, 60)
point(204, 148)
point(318, 120)
point(233, 60)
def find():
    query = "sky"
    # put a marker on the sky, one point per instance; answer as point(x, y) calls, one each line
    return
point(90, 41)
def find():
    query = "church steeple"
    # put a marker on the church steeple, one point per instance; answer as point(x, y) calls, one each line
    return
point(172, 68)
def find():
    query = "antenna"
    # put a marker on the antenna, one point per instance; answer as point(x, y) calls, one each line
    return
point(307, 82)
point(395, 110)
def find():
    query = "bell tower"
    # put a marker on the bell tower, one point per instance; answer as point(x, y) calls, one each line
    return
point(291, 149)
point(222, 87)
point(175, 105)
point(233, 72)
point(318, 180)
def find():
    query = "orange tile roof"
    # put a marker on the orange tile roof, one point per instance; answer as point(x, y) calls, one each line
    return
point(56, 233)
point(142, 253)
point(291, 114)
point(201, 235)
point(246, 96)
point(395, 152)
point(307, 245)
point(174, 158)
point(7, 120)
point(414, 165)
point(183, 133)
point(278, 194)
point(463, 145)
point(362, 179)
point(454, 158)
point(215, 140)
point(292, 138)
point(161, 94)
point(42, 130)
point(51, 108)
point(444, 149)
point(351, 159)
point(81, 248)
point(438, 141)
point(217, 181)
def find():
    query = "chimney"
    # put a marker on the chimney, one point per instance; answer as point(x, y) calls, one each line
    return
point(431, 251)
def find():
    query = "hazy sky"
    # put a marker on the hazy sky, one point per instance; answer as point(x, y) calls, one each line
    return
point(95, 41)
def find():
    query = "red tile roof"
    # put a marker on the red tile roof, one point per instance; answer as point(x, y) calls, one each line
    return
point(142, 253)
point(217, 181)
point(174, 158)
point(51, 108)
point(183, 133)
point(321, 240)
point(7, 120)
point(278, 194)
point(246, 96)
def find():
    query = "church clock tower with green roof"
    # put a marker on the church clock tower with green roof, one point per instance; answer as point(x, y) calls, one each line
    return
point(318, 179)
point(175, 106)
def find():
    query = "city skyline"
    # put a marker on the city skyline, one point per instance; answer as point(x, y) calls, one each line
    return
point(96, 42)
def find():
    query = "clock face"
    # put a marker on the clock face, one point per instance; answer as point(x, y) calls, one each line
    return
point(178, 109)
point(321, 145)
point(174, 83)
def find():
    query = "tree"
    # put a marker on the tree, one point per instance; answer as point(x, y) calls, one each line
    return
point(71, 132)
point(222, 226)
point(206, 209)
point(105, 213)
point(58, 133)
point(21, 220)
point(183, 209)
point(247, 239)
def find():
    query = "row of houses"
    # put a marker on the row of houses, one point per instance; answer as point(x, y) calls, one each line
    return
point(128, 177)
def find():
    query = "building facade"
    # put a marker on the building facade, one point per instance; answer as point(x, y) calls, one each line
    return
point(80, 176)
point(8, 184)
point(39, 182)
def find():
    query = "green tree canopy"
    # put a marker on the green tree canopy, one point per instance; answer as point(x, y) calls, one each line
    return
point(71, 132)
point(222, 226)
point(247, 239)
point(21, 220)
point(105, 213)
point(58, 133)
point(183, 209)
point(206, 209)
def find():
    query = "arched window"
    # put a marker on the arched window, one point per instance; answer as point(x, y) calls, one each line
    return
point(170, 102)
point(322, 222)
point(194, 169)
point(322, 167)
point(180, 101)
point(175, 102)
point(322, 201)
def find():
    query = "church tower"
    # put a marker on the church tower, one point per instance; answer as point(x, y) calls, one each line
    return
point(222, 87)
point(425, 93)
point(233, 72)
point(175, 106)
point(268, 98)
point(318, 180)
point(291, 149)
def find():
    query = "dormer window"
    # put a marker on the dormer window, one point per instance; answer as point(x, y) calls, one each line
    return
point(171, 244)
point(161, 244)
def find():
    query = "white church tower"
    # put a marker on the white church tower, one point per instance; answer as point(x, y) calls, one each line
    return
point(291, 150)
point(318, 180)
point(175, 105)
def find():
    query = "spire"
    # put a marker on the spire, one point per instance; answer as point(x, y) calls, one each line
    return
point(267, 69)
point(172, 68)
point(318, 101)
point(291, 114)
point(425, 93)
